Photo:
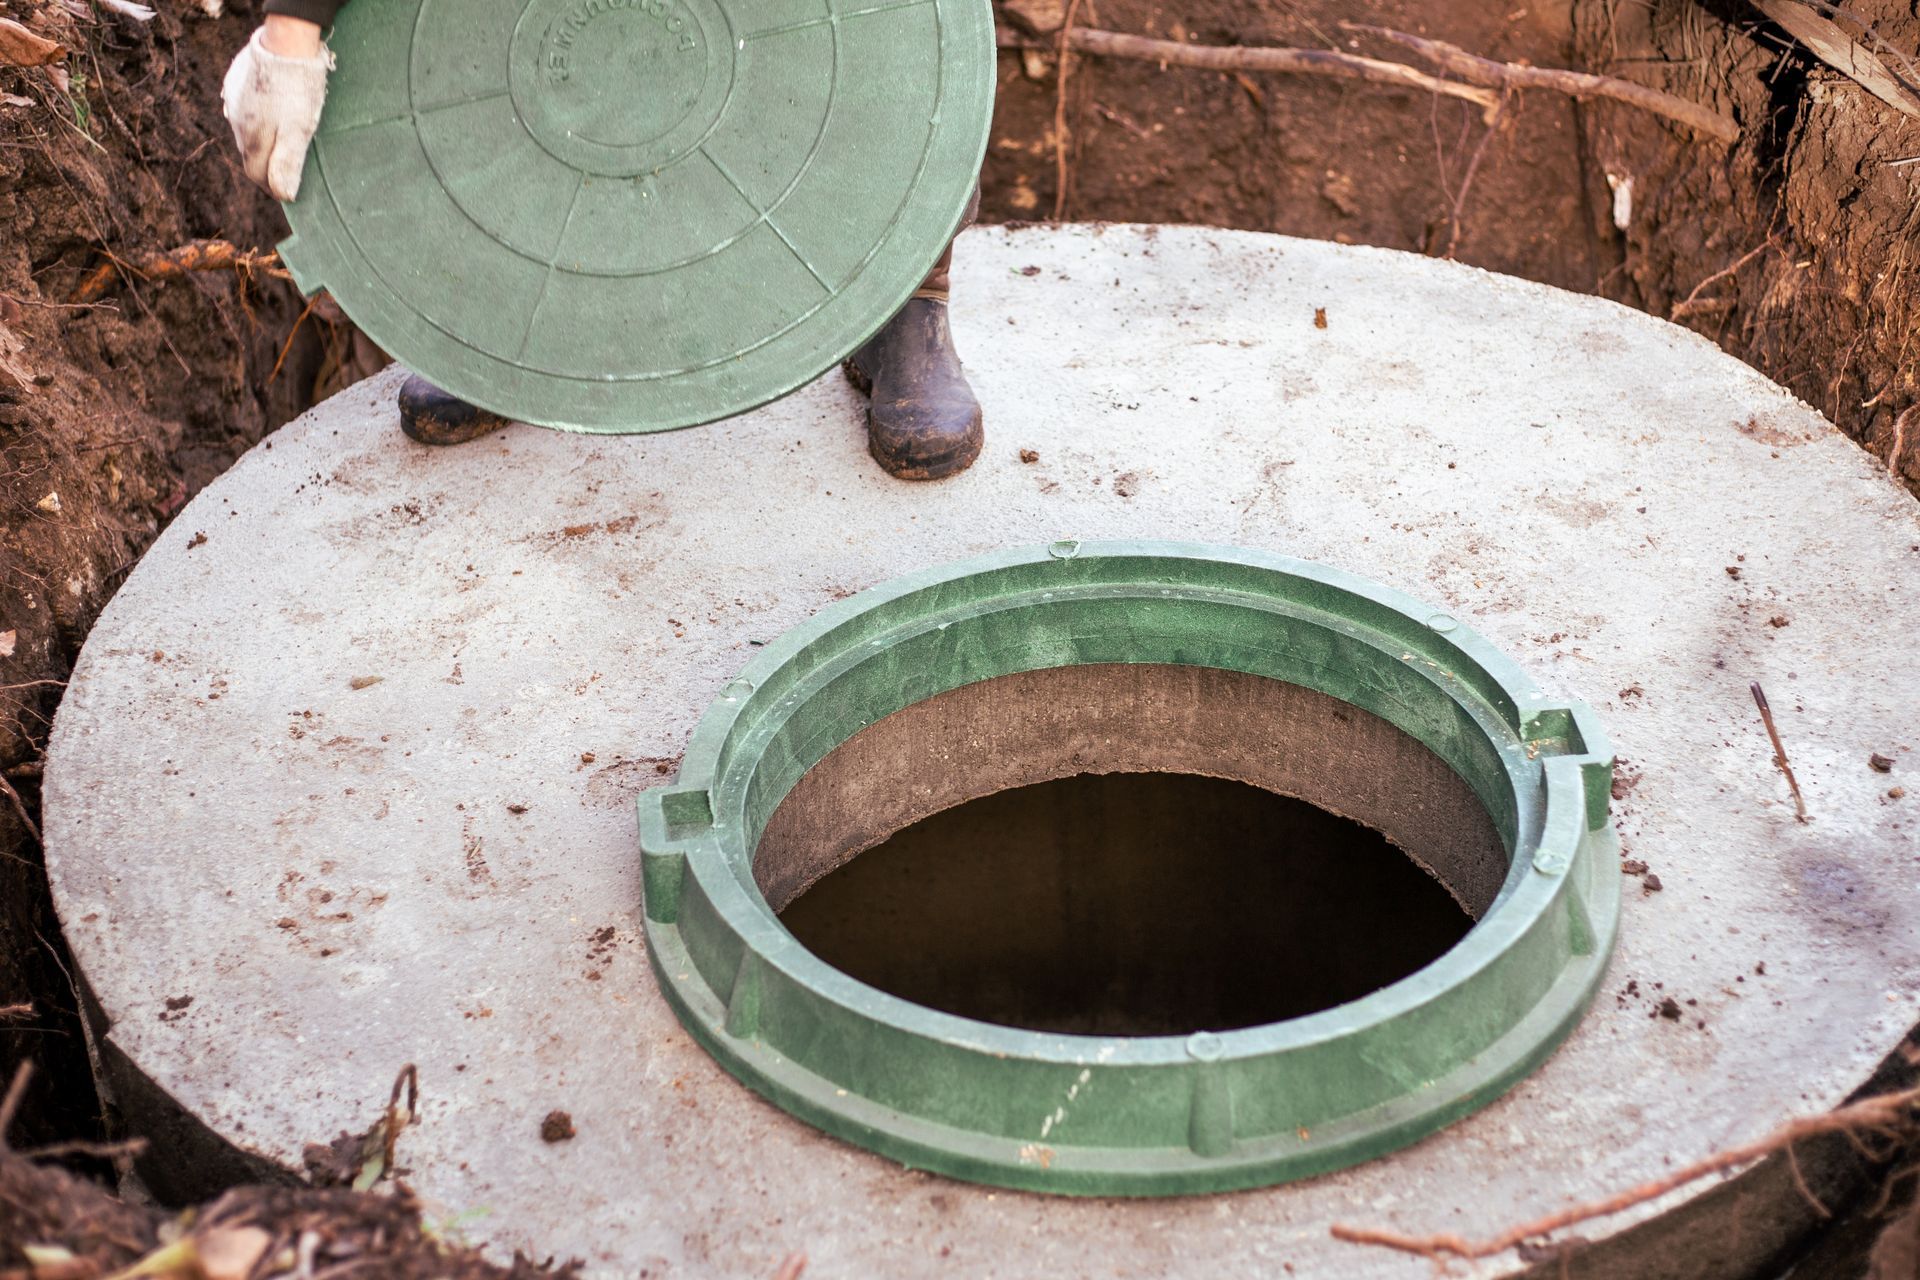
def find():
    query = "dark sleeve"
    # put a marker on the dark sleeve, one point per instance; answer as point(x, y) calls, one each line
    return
point(320, 11)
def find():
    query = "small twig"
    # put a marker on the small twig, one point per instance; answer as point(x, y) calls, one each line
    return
point(1474, 69)
point(1884, 1113)
point(1124, 120)
point(20, 808)
point(1704, 307)
point(23, 1010)
point(291, 334)
point(129, 1149)
point(792, 1268)
point(1064, 63)
point(1208, 57)
point(60, 306)
point(1800, 1180)
point(1473, 167)
point(1687, 306)
point(1779, 751)
point(11, 1103)
point(31, 684)
point(409, 1078)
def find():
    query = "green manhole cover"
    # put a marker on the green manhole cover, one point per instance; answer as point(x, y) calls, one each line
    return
point(1130, 657)
point(633, 215)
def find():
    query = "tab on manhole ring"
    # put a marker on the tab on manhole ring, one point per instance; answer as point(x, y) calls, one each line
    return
point(1212, 1109)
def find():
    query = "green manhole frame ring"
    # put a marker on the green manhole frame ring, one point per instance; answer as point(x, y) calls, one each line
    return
point(1154, 1115)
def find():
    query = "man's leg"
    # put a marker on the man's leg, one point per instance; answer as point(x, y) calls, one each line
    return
point(923, 422)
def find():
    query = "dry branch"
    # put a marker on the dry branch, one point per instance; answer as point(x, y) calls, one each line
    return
point(1282, 60)
point(20, 809)
point(195, 255)
point(1474, 69)
point(1888, 1114)
point(10, 1104)
point(1830, 43)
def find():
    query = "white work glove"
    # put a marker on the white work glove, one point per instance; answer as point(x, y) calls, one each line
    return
point(273, 103)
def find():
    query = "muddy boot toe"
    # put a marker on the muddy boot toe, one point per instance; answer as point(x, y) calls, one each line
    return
point(431, 416)
point(923, 421)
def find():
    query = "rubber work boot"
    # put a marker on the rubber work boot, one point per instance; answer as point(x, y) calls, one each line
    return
point(431, 416)
point(923, 422)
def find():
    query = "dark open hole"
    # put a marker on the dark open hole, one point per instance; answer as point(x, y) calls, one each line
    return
point(1130, 904)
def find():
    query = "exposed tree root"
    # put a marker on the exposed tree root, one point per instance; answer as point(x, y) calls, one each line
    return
point(1889, 1115)
point(1472, 78)
point(1474, 69)
point(196, 255)
point(1323, 62)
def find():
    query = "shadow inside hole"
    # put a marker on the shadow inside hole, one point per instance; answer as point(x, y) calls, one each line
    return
point(1130, 904)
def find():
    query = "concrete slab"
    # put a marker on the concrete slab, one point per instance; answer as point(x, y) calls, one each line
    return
point(339, 875)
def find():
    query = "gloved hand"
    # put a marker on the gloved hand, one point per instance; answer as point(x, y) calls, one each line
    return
point(273, 102)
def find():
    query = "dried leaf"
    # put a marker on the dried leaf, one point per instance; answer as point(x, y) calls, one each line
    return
point(15, 100)
point(8, 641)
point(127, 8)
point(20, 47)
point(212, 8)
point(12, 371)
point(169, 1260)
point(46, 1256)
point(231, 1253)
point(371, 1172)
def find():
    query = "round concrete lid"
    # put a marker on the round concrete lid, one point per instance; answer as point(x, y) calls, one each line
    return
point(634, 215)
point(340, 879)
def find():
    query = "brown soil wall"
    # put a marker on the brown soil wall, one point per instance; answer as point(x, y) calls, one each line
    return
point(1799, 251)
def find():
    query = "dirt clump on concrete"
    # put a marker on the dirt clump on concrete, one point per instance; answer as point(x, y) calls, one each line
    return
point(557, 1127)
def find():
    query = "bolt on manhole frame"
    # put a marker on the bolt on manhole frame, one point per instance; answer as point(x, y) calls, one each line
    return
point(1147, 1115)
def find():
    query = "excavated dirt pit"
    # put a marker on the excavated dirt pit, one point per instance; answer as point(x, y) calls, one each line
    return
point(1793, 251)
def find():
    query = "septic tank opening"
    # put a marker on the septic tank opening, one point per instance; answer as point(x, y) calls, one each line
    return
point(1130, 904)
point(1130, 849)
point(1171, 694)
